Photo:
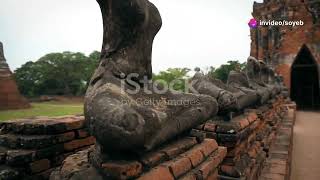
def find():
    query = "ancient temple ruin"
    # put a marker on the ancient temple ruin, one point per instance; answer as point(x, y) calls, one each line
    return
point(10, 97)
point(294, 51)
point(120, 138)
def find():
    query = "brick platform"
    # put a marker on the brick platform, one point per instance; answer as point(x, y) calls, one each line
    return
point(278, 165)
point(32, 148)
point(236, 149)
point(248, 138)
point(185, 158)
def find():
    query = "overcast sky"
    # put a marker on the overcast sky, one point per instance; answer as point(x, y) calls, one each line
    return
point(194, 33)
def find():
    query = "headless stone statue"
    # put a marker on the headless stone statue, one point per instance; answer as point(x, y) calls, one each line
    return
point(123, 110)
point(265, 77)
point(204, 84)
point(272, 80)
point(246, 96)
point(256, 81)
point(283, 89)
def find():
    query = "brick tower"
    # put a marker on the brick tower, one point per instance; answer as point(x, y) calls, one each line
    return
point(10, 97)
point(293, 51)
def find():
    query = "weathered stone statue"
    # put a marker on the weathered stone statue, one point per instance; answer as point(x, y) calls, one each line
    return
point(122, 107)
point(265, 77)
point(256, 79)
point(245, 95)
point(272, 80)
point(204, 84)
point(283, 88)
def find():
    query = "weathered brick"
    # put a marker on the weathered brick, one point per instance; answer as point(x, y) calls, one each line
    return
point(195, 155)
point(222, 152)
point(122, 170)
point(213, 176)
point(152, 159)
point(68, 136)
point(208, 146)
point(243, 123)
point(39, 166)
point(49, 151)
point(78, 143)
point(19, 157)
point(209, 166)
point(179, 166)
point(158, 173)
point(34, 141)
point(176, 148)
point(43, 125)
point(229, 171)
point(189, 176)
point(82, 133)
point(252, 117)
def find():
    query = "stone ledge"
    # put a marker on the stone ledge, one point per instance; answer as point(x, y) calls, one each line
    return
point(42, 125)
point(34, 147)
point(278, 165)
point(180, 159)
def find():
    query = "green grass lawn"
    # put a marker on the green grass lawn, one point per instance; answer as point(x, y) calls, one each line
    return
point(43, 109)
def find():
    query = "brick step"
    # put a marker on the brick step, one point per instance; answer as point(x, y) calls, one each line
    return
point(18, 157)
point(15, 141)
point(42, 125)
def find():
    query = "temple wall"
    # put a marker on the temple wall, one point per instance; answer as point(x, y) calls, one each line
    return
point(279, 45)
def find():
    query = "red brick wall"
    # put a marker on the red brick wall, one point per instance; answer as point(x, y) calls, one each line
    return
point(10, 97)
point(291, 39)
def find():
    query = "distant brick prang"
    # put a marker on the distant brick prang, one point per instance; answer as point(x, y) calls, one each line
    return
point(32, 148)
point(10, 97)
point(280, 45)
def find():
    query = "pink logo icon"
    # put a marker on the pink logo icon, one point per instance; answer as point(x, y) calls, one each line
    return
point(253, 23)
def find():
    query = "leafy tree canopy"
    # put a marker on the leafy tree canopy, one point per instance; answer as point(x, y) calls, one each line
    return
point(223, 71)
point(64, 73)
point(175, 77)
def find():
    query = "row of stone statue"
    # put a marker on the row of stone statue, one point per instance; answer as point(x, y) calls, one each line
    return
point(123, 121)
point(252, 87)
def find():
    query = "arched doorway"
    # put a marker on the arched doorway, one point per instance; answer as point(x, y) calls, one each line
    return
point(305, 80)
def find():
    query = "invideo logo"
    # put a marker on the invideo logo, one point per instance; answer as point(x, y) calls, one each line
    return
point(253, 23)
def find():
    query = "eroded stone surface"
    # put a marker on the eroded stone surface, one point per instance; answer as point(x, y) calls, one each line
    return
point(120, 119)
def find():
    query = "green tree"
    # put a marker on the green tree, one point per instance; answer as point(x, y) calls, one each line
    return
point(64, 73)
point(223, 71)
point(177, 76)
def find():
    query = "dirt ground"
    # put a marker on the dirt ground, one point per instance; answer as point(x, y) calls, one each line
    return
point(306, 147)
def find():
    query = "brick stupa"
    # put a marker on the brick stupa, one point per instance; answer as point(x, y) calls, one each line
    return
point(10, 97)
